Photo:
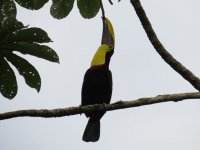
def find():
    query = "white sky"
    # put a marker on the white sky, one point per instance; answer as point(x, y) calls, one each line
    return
point(138, 71)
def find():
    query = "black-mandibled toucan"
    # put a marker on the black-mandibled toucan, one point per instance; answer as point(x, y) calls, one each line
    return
point(97, 83)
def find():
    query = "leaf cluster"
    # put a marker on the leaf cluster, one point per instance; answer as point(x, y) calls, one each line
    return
point(15, 37)
point(61, 8)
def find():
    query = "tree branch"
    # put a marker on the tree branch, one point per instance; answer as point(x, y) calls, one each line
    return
point(110, 2)
point(99, 107)
point(102, 9)
point(168, 58)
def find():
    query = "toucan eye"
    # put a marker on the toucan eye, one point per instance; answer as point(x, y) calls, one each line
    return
point(111, 47)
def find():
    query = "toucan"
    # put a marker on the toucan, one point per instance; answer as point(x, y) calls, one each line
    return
point(97, 82)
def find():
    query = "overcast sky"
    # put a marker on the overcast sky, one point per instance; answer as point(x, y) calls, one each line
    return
point(138, 71)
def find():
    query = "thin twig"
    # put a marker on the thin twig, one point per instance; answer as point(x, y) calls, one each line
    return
point(168, 58)
point(110, 2)
point(99, 107)
point(102, 9)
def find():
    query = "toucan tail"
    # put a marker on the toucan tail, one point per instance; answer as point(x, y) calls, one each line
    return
point(92, 131)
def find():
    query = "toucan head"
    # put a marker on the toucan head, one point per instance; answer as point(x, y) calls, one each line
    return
point(102, 56)
point(106, 50)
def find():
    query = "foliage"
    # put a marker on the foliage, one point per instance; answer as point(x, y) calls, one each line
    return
point(32, 4)
point(61, 8)
point(14, 36)
point(88, 8)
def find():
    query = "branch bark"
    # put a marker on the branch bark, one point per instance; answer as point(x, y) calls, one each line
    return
point(168, 58)
point(99, 107)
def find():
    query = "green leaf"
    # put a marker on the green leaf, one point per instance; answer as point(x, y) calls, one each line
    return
point(32, 4)
point(88, 8)
point(14, 36)
point(7, 9)
point(10, 25)
point(41, 51)
point(26, 35)
point(8, 20)
point(25, 69)
point(61, 8)
point(8, 83)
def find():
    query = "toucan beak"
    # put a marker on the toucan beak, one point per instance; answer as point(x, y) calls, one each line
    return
point(108, 33)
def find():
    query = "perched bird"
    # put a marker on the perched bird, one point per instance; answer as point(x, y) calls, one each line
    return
point(97, 83)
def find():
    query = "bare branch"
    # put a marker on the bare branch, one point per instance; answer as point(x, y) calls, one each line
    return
point(110, 2)
point(102, 9)
point(168, 58)
point(99, 107)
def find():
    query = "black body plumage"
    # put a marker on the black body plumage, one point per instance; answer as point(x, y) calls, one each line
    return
point(96, 89)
